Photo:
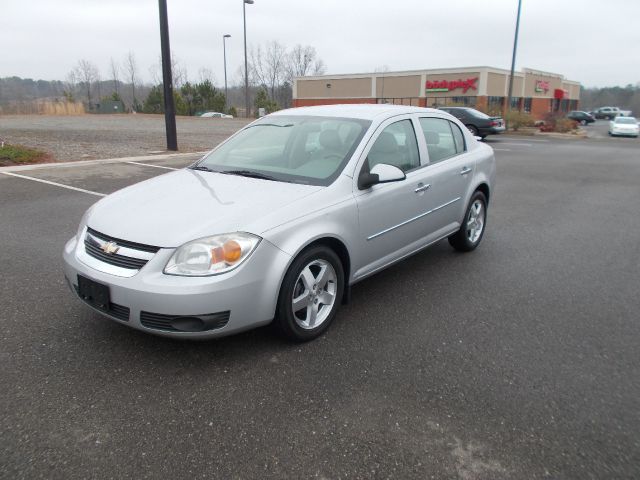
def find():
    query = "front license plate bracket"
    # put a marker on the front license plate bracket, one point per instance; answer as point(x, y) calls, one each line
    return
point(94, 293)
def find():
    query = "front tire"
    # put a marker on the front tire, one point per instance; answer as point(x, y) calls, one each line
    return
point(470, 234)
point(310, 295)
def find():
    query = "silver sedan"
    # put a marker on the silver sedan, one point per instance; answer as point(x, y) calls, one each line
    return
point(279, 221)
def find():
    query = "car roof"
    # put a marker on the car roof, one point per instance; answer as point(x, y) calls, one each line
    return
point(365, 111)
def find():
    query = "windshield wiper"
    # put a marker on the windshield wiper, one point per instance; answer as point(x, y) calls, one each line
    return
point(201, 168)
point(248, 173)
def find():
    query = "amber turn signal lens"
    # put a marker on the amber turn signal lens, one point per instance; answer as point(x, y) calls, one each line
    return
point(232, 251)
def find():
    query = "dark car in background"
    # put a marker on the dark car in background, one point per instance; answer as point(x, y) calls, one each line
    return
point(479, 124)
point(581, 117)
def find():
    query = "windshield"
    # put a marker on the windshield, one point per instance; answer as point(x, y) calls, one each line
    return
point(626, 120)
point(299, 149)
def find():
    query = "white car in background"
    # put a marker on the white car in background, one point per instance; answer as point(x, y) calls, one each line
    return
point(215, 115)
point(627, 126)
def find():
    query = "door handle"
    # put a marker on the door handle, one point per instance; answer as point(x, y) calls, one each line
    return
point(465, 170)
point(422, 188)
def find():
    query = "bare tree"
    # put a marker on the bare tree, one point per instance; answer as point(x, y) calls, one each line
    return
point(71, 85)
point(303, 61)
point(205, 74)
point(115, 71)
point(178, 72)
point(269, 67)
point(87, 73)
point(131, 68)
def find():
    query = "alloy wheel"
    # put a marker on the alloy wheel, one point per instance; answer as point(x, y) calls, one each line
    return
point(475, 221)
point(314, 294)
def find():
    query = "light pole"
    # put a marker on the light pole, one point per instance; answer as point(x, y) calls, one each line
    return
point(246, 68)
point(513, 65)
point(224, 50)
point(167, 82)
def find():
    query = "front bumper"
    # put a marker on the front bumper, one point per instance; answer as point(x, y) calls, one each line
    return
point(247, 295)
point(624, 133)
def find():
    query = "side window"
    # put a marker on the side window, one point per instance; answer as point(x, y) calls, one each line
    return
point(397, 146)
point(439, 138)
point(458, 138)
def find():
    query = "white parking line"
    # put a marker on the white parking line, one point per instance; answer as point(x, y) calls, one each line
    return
point(502, 149)
point(151, 165)
point(68, 187)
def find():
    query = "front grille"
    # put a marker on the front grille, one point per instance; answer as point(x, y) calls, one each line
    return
point(114, 259)
point(159, 321)
point(123, 243)
point(93, 249)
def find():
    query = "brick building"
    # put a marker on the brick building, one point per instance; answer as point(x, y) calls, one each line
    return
point(486, 88)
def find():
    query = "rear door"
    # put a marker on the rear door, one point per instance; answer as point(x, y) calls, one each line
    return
point(450, 170)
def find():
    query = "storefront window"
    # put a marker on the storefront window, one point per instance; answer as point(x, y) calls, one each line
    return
point(494, 104)
point(435, 102)
point(408, 101)
point(527, 105)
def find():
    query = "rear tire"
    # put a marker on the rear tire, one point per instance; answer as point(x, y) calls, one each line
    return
point(470, 234)
point(310, 295)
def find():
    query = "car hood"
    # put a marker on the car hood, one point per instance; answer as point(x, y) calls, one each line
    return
point(181, 206)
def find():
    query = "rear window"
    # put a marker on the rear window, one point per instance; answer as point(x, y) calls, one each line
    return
point(478, 114)
point(629, 120)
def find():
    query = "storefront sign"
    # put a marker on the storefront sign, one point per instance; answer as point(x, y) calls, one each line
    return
point(560, 93)
point(448, 85)
point(542, 86)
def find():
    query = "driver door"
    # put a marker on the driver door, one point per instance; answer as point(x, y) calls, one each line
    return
point(388, 212)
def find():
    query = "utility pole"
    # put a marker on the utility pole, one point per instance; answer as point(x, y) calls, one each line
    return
point(246, 68)
point(167, 82)
point(513, 65)
point(224, 50)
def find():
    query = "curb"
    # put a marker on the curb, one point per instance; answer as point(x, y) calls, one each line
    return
point(566, 136)
point(36, 166)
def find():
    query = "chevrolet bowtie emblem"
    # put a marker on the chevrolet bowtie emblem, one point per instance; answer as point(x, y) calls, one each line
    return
point(110, 248)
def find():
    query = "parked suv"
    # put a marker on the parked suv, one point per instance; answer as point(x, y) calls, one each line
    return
point(611, 112)
point(479, 124)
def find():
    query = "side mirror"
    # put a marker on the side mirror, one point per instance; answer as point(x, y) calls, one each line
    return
point(381, 173)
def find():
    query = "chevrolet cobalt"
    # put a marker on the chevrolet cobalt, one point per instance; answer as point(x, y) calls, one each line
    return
point(280, 220)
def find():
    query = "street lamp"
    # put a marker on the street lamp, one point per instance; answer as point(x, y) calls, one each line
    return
point(224, 50)
point(246, 68)
point(513, 65)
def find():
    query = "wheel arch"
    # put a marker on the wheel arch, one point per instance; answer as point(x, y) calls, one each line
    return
point(484, 188)
point(340, 249)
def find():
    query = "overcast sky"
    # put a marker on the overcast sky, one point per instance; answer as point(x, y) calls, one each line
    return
point(596, 42)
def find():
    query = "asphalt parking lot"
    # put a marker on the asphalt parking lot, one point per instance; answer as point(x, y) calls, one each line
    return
point(520, 360)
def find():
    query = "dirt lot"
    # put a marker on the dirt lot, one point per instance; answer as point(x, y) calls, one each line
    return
point(85, 137)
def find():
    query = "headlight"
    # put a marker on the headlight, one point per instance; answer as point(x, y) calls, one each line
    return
point(212, 255)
